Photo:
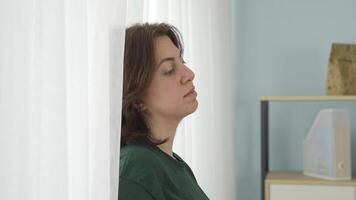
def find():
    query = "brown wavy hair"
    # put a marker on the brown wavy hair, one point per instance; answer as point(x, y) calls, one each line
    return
point(139, 68)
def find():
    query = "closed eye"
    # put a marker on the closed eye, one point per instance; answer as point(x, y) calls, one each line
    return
point(170, 71)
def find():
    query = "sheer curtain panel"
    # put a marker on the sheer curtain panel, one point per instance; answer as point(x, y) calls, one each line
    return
point(60, 98)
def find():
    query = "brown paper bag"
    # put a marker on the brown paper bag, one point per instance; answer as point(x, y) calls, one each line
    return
point(342, 70)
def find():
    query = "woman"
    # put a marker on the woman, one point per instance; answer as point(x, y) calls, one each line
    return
point(158, 93)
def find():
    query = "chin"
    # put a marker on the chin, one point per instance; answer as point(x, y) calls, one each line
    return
point(192, 108)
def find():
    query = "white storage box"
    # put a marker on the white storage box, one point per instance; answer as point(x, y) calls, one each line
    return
point(327, 147)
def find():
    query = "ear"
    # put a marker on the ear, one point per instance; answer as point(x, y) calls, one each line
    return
point(140, 106)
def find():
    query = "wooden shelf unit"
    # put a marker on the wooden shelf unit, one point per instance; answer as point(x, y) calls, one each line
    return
point(298, 178)
point(264, 103)
point(299, 183)
point(308, 98)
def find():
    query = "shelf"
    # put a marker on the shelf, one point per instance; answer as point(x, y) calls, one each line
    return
point(308, 98)
point(269, 178)
point(296, 186)
point(297, 178)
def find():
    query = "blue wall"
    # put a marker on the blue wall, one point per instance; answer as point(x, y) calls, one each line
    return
point(282, 47)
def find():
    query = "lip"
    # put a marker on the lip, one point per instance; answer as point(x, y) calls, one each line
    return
point(191, 91)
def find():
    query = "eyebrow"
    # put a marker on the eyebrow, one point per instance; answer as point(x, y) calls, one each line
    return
point(165, 59)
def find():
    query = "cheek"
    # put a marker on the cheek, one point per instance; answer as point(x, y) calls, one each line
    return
point(166, 96)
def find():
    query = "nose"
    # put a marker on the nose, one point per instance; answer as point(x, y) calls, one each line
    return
point(187, 76)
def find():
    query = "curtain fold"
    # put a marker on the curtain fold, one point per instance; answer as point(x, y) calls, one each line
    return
point(60, 98)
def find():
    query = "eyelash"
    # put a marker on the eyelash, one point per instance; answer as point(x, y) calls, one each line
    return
point(171, 71)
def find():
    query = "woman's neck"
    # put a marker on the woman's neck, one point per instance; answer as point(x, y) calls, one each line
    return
point(167, 147)
point(162, 129)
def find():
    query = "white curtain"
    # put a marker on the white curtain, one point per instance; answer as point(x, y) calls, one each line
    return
point(205, 138)
point(60, 98)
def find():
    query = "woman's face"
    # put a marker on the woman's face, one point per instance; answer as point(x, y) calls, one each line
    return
point(171, 94)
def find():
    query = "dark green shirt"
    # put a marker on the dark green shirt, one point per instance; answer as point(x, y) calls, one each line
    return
point(148, 173)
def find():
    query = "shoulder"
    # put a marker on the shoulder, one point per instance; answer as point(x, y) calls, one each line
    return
point(140, 164)
point(137, 155)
